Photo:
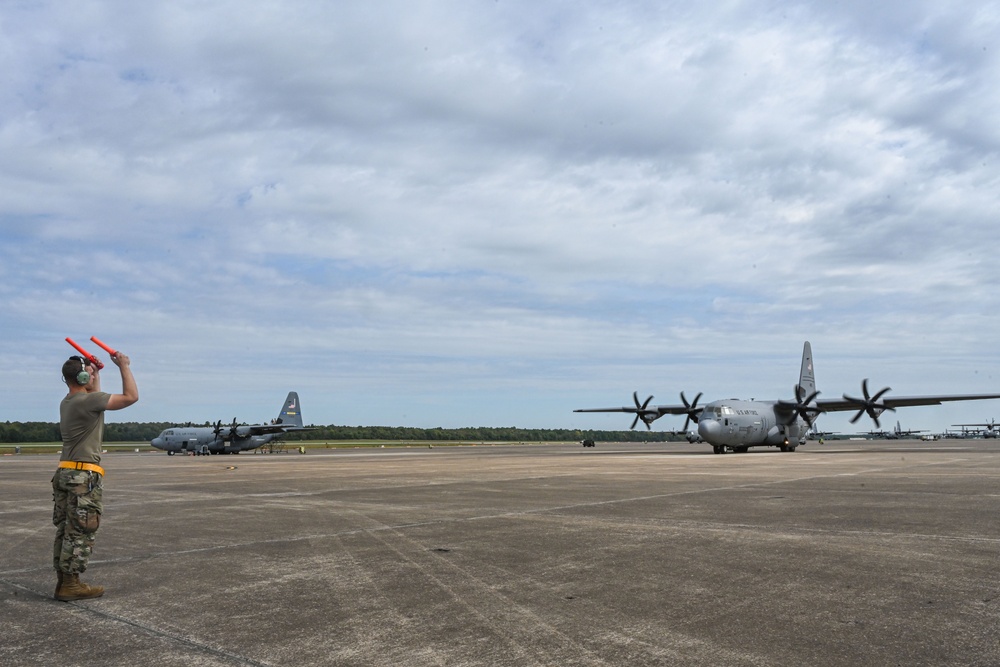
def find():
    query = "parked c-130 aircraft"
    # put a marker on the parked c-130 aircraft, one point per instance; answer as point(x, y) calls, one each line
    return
point(736, 425)
point(231, 438)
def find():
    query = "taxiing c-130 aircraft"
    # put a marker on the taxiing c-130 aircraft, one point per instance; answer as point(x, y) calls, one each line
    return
point(736, 425)
point(231, 438)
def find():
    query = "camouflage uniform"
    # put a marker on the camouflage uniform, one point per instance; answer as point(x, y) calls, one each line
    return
point(76, 494)
point(76, 513)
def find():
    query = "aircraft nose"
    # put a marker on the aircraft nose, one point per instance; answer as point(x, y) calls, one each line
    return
point(157, 442)
point(709, 430)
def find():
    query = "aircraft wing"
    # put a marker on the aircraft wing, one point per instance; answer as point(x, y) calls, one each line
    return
point(650, 413)
point(893, 402)
point(658, 410)
point(242, 431)
point(262, 429)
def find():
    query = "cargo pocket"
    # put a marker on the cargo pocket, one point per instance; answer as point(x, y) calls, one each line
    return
point(88, 520)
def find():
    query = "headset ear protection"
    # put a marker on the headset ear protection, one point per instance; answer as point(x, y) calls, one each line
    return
point(83, 377)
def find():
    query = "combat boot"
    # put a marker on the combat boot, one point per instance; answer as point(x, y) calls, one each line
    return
point(59, 576)
point(72, 588)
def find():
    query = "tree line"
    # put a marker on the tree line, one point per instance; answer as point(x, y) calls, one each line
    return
point(49, 431)
point(11, 432)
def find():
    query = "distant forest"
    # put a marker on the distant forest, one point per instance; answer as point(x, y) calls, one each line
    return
point(11, 432)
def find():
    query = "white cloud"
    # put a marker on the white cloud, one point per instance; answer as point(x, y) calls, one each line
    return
point(535, 204)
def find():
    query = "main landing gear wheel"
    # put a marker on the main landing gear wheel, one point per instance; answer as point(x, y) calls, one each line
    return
point(719, 449)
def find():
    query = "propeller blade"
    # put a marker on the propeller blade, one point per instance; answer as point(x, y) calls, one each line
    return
point(869, 404)
point(879, 394)
point(807, 412)
point(640, 410)
point(635, 397)
point(692, 409)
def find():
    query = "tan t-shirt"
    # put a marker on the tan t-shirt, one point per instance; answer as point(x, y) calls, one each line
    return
point(81, 423)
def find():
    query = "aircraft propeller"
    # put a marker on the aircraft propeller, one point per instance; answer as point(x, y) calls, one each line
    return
point(693, 411)
point(218, 428)
point(642, 413)
point(869, 404)
point(802, 407)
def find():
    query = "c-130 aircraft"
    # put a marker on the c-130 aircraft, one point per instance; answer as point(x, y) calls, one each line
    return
point(736, 425)
point(231, 438)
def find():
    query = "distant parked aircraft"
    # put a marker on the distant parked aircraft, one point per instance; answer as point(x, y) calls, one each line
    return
point(894, 434)
point(985, 430)
point(231, 438)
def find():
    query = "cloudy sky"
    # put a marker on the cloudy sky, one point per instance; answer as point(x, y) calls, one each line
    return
point(491, 212)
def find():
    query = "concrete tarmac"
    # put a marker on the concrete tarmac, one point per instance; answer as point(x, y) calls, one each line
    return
point(878, 553)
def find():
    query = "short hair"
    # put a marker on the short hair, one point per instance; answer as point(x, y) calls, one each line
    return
point(72, 367)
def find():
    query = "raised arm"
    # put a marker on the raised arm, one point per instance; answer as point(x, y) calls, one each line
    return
point(130, 392)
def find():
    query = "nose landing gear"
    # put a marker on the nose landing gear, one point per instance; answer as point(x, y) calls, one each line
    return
point(787, 447)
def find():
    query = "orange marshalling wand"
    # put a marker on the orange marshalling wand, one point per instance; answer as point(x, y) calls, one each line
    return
point(86, 355)
point(103, 346)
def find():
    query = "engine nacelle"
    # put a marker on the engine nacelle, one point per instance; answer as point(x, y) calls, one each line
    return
point(776, 436)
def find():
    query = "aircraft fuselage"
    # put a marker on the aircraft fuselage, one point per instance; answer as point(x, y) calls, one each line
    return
point(204, 440)
point(736, 424)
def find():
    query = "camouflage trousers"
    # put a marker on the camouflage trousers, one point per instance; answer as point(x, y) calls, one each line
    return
point(76, 513)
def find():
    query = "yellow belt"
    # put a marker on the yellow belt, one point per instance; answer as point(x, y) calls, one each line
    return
point(78, 465)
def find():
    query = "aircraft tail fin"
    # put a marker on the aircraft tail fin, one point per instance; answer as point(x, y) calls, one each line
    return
point(807, 377)
point(291, 411)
